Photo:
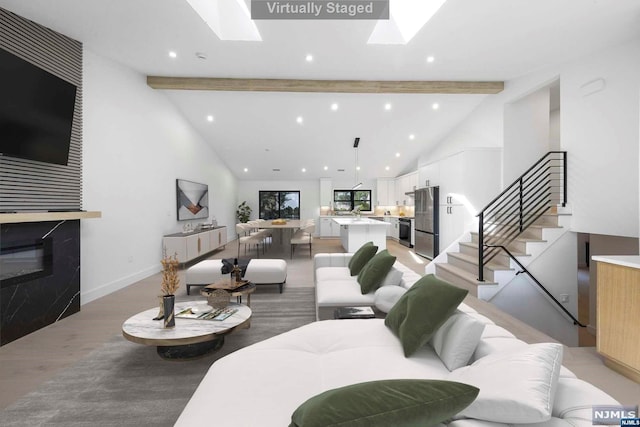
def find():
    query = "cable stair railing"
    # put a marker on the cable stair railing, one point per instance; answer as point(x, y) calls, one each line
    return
point(533, 194)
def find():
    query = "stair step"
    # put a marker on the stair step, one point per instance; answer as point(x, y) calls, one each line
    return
point(470, 259)
point(461, 278)
point(470, 264)
point(472, 248)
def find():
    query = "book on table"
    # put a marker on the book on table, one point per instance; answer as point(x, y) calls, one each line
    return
point(354, 313)
point(197, 313)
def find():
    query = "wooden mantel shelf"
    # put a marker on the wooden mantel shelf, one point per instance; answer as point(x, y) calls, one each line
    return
point(7, 218)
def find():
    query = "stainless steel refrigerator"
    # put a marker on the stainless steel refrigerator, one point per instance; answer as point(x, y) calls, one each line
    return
point(427, 221)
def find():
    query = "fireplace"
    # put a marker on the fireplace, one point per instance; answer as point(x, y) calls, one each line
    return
point(39, 275)
point(24, 261)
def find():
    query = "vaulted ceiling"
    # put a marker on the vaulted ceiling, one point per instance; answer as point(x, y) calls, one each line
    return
point(469, 40)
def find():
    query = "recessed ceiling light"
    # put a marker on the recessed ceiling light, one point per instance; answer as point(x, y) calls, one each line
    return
point(326, 168)
point(334, 106)
point(387, 168)
point(430, 59)
point(304, 169)
point(357, 168)
point(299, 119)
point(397, 154)
point(309, 58)
point(246, 170)
point(209, 118)
point(387, 106)
point(172, 54)
point(412, 137)
point(435, 105)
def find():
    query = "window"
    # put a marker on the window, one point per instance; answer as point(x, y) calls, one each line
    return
point(279, 204)
point(348, 200)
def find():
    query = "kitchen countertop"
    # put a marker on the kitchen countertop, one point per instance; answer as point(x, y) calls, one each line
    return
point(359, 221)
point(632, 261)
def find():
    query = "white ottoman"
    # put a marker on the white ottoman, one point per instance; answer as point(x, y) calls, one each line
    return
point(259, 271)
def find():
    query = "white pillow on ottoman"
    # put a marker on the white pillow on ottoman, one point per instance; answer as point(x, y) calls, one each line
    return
point(516, 387)
point(456, 340)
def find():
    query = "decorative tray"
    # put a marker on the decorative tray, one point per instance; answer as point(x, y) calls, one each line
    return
point(227, 284)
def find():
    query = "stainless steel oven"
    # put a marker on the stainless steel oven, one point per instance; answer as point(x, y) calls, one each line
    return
point(404, 232)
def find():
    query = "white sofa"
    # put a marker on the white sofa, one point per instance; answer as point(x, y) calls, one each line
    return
point(335, 287)
point(263, 384)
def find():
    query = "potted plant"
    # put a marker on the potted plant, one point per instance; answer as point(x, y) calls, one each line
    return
point(169, 286)
point(243, 213)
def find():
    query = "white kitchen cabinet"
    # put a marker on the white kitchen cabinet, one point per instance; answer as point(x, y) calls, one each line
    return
point(429, 175)
point(452, 224)
point(328, 228)
point(405, 184)
point(326, 192)
point(393, 230)
point(385, 192)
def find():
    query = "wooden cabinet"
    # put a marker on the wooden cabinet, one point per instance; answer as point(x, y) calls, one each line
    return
point(618, 324)
point(190, 246)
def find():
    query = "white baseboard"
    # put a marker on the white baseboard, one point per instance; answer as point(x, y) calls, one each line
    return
point(106, 289)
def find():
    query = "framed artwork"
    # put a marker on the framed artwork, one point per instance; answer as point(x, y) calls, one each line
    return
point(193, 200)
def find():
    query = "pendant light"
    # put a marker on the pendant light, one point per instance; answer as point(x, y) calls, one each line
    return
point(356, 142)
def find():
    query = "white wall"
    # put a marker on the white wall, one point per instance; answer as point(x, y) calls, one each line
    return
point(135, 146)
point(526, 133)
point(600, 132)
point(309, 194)
point(556, 269)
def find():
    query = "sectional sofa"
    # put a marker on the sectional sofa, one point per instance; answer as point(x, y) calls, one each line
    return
point(265, 384)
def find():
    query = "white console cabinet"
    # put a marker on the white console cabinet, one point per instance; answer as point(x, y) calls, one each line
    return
point(189, 246)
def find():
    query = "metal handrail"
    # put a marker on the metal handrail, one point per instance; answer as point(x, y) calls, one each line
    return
point(524, 270)
point(525, 200)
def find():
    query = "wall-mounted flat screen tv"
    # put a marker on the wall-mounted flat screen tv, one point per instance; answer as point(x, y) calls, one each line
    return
point(193, 200)
point(36, 112)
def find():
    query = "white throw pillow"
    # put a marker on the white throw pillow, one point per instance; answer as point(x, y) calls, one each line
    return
point(515, 387)
point(456, 340)
point(387, 296)
point(393, 277)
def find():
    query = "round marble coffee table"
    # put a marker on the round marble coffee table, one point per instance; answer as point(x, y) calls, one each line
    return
point(190, 337)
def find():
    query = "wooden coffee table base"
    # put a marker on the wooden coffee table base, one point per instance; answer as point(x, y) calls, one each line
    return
point(190, 351)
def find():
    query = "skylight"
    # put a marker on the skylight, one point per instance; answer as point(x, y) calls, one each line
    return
point(406, 18)
point(229, 19)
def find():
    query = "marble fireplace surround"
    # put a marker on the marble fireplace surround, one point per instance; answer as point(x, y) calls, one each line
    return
point(35, 301)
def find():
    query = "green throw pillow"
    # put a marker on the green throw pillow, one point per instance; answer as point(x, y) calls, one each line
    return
point(422, 310)
point(398, 403)
point(374, 272)
point(361, 257)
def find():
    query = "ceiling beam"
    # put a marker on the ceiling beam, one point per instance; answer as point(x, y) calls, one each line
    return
point(324, 86)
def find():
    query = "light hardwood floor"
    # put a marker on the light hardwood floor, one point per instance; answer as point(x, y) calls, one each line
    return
point(27, 363)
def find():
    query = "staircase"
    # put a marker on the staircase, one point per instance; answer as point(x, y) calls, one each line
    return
point(526, 219)
point(460, 265)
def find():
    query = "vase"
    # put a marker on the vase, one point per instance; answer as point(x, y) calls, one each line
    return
point(169, 302)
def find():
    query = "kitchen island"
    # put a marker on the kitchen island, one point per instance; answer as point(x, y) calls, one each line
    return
point(355, 232)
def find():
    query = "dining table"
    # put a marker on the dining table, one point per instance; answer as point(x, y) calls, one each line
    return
point(282, 232)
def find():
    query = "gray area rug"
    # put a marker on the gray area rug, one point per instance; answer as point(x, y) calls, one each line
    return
point(128, 384)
